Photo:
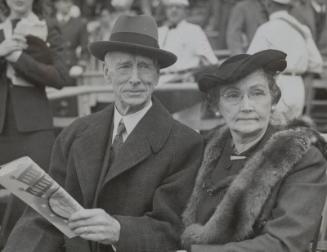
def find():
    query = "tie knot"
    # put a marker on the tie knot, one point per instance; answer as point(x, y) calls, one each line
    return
point(121, 128)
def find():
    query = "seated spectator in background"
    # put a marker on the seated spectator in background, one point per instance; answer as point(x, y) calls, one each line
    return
point(286, 33)
point(245, 18)
point(188, 41)
point(313, 14)
point(75, 37)
point(220, 13)
point(261, 186)
point(100, 29)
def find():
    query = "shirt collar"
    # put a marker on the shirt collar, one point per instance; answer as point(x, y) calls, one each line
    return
point(318, 7)
point(130, 120)
point(278, 14)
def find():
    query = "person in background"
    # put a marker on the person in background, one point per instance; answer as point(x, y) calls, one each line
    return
point(261, 185)
point(286, 33)
point(220, 14)
point(188, 41)
point(31, 59)
point(75, 37)
point(100, 29)
point(131, 166)
point(245, 18)
point(313, 14)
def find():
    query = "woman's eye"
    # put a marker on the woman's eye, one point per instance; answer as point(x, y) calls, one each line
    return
point(144, 66)
point(258, 93)
point(232, 95)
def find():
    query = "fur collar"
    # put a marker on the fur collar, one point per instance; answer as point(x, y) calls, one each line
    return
point(243, 202)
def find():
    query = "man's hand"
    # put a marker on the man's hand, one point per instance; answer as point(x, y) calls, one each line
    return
point(95, 225)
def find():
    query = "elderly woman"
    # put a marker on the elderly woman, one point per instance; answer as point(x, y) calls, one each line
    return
point(261, 187)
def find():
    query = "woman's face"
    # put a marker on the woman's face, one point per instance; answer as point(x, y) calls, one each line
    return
point(20, 8)
point(246, 104)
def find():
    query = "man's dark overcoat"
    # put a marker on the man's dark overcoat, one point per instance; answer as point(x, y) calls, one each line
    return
point(145, 189)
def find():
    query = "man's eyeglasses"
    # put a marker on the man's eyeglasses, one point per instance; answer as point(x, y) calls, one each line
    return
point(234, 97)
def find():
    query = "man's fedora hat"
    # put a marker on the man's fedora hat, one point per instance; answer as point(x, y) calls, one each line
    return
point(239, 66)
point(134, 34)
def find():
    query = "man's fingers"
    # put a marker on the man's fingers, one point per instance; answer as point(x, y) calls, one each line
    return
point(93, 221)
point(18, 37)
point(95, 237)
point(84, 214)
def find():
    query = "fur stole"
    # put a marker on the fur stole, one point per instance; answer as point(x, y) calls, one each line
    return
point(235, 216)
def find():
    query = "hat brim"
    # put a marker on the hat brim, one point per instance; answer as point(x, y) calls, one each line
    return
point(269, 60)
point(100, 48)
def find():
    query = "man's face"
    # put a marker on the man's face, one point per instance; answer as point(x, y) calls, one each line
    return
point(63, 6)
point(20, 7)
point(133, 78)
point(175, 13)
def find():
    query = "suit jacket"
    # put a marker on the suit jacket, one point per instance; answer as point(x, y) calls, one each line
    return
point(304, 12)
point(274, 203)
point(147, 186)
point(245, 18)
point(75, 35)
point(30, 104)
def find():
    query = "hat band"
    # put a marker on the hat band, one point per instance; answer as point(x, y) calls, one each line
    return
point(134, 38)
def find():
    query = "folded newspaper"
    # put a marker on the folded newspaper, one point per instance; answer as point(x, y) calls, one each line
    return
point(25, 179)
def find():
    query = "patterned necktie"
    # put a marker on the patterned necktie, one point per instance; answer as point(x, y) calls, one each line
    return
point(119, 141)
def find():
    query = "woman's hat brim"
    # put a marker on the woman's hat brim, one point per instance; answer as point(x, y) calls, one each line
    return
point(239, 66)
point(100, 48)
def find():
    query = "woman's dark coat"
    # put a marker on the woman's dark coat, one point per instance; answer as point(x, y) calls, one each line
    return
point(272, 205)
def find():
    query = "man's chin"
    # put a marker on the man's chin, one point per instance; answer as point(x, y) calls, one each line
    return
point(135, 105)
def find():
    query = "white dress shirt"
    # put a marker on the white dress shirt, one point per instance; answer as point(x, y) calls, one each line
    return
point(302, 52)
point(189, 43)
point(284, 32)
point(130, 121)
point(318, 7)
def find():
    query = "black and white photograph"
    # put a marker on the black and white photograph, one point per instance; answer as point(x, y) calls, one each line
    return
point(163, 125)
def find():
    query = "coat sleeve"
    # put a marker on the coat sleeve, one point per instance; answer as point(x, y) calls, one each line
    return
point(40, 74)
point(159, 230)
point(33, 233)
point(294, 218)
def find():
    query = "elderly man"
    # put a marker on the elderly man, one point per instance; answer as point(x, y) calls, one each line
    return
point(131, 165)
point(284, 32)
point(188, 41)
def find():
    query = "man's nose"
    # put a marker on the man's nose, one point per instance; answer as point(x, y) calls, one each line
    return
point(134, 78)
point(246, 103)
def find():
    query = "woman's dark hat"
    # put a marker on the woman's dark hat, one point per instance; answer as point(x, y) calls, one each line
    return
point(134, 34)
point(239, 66)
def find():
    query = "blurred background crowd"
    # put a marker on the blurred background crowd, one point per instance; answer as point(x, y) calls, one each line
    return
point(200, 32)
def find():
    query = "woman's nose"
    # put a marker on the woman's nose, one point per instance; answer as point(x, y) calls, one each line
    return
point(246, 103)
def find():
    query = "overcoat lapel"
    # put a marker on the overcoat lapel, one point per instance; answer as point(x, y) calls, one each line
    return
point(90, 153)
point(148, 136)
